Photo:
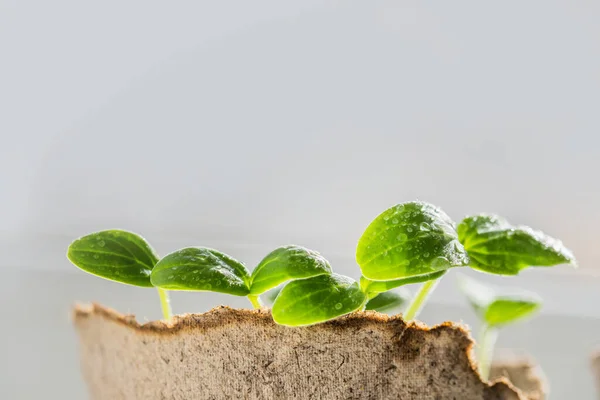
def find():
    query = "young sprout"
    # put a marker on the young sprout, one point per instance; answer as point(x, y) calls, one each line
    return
point(495, 311)
point(119, 256)
point(409, 243)
point(203, 269)
point(417, 240)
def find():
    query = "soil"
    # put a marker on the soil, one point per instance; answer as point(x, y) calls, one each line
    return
point(242, 354)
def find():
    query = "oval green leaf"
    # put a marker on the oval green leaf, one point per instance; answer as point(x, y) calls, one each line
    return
point(508, 309)
point(201, 269)
point(409, 239)
point(284, 264)
point(317, 299)
point(497, 309)
point(369, 286)
point(115, 255)
point(389, 302)
point(497, 247)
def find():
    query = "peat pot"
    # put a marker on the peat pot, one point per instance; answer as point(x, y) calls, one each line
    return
point(242, 354)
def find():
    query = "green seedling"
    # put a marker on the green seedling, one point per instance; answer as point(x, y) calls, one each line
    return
point(417, 239)
point(495, 311)
point(410, 243)
point(119, 256)
point(203, 269)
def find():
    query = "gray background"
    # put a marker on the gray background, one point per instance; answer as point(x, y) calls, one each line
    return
point(247, 125)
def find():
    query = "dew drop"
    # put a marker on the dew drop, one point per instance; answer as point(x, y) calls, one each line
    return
point(338, 306)
point(196, 271)
point(409, 229)
point(440, 263)
point(395, 221)
point(208, 286)
point(171, 276)
point(424, 227)
point(96, 256)
point(101, 243)
point(385, 218)
point(402, 237)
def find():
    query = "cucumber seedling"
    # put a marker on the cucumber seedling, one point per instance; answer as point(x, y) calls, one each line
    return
point(119, 256)
point(409, 243)
point(417, 240)
point(496, 310)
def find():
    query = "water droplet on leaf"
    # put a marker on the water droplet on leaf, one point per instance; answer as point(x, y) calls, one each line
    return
point(424, 227)
point(439, 263)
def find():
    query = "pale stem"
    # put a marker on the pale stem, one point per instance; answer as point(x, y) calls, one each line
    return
point(165, 303)
point(487, 342)
point(255, 300)
point(417, 303)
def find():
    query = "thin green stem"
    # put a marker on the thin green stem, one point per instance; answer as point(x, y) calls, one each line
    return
point(489, 334)
point(255, 300)
point(417, 303)
point(165, 303)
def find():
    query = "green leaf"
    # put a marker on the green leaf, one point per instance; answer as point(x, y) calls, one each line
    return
point(510, 309)
point(115, 255)
point(317, 299)
point(389, 302)
point(409, 239)
point(497, 247)
point(201, 269)
point(499, 309)
point(284, 264)
point(369, 286)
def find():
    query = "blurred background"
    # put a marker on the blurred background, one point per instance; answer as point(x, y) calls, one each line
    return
point(248, 125)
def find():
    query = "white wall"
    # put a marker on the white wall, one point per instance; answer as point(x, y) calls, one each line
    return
point(246, 125)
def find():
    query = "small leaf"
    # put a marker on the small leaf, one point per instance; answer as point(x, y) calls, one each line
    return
point(389, 302)
point(115, 255)
point(317, 299)
point(200, 268)
point(284, 264)
point(498, 309)
point(369, 286)
point(409, 239)
point(497, 247)
point(505, 310)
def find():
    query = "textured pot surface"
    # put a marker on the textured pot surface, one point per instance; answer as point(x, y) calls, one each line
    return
point(242, 354)
point(523, 374)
